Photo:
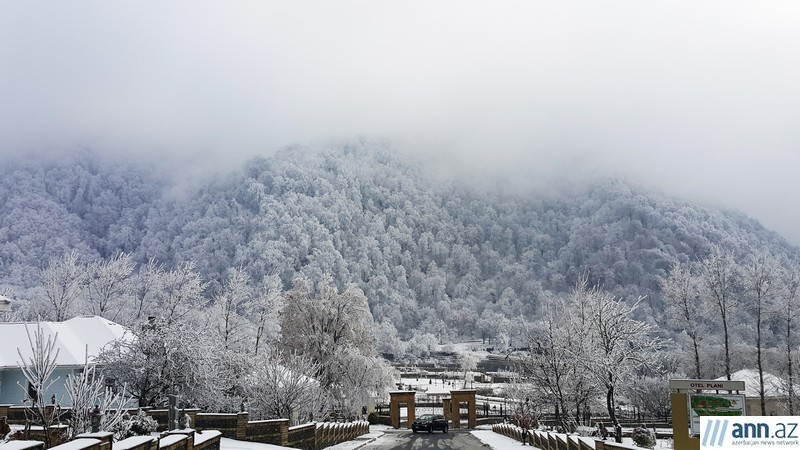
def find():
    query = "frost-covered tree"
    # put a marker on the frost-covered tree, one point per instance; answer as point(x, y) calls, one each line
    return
point(38, 369)
point(333, 328)
point(63, 281)
point(179, 293)
point(144, 289)
point(369, 216)
point(264, 309)
point(651, 394)
point(88, 389)
point(228, 302)
point(789, 311)
point(364, 380)
point(283, 386)
point(468, 362)
point(553, 364)
point(720, 285)
point(160, 358)
point(618, 345)
point(684, 306)
point(761, 284)
point(108, 285)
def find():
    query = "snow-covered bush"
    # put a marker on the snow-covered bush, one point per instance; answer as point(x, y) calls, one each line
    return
point(643, 437)
point(138, 425)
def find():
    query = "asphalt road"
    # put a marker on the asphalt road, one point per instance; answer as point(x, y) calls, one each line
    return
point(406, 440)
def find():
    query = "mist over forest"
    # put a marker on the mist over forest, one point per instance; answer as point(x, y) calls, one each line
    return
point(439, 260)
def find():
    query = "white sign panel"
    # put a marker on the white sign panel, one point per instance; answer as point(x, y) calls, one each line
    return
point(709, 385)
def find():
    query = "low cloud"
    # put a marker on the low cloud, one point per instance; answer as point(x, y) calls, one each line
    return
point(697, 99)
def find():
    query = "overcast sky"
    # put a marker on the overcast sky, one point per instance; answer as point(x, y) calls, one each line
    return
point(700, 99)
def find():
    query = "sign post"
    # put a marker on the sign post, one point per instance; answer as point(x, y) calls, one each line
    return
point(689, 403)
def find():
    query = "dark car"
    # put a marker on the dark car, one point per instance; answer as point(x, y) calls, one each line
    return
point(429, 422)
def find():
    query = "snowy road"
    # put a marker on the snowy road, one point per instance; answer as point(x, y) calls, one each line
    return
point(406, 440)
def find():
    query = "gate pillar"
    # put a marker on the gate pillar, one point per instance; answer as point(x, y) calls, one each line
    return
point(396, 398)
point(456, 399)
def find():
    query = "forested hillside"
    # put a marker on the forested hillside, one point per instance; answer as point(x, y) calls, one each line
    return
point(434, 258)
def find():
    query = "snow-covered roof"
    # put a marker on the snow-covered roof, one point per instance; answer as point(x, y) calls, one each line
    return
point(773, 385)
point(75, 337)
point(5, 304)
point(437, 390)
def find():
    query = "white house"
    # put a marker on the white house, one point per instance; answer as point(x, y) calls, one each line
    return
point(75, 337)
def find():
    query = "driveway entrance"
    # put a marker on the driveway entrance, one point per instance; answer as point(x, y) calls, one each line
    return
point(459, 405)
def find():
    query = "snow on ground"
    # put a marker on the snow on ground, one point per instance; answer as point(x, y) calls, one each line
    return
point(375, 431)
point(483, 433)
point(233, 444)
point(495, 440)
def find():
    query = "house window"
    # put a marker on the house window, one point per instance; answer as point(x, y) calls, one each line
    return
point(111, 384)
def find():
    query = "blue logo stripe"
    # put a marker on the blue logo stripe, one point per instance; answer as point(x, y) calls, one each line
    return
point(722, 433)
point(709, 432)
point(717, 425)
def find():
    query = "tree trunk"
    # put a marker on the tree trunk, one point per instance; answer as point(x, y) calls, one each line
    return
point(789, 361)
point(612, 414)
point(727, 347)
point(696, 358)
point(759, 363)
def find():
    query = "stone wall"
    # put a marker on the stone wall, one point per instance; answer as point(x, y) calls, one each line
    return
point(303, 437)
point(328, 434)
point(277, 431)
point(235, 426)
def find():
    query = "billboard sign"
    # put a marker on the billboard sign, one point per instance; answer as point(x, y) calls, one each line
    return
point(714, 405)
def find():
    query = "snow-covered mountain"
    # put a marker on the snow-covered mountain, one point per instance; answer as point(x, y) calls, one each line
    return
point(442, 257)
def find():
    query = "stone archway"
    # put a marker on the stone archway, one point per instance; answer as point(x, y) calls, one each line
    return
point(397, 398)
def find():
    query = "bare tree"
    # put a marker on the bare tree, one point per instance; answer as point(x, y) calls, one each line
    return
point(63, 282)
point(651, 394)
point(680, 291)
point(761, 276)
point(526, 408)
point(719, 282)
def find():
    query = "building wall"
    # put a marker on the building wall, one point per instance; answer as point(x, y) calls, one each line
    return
point(775, 406)
point(12, 394)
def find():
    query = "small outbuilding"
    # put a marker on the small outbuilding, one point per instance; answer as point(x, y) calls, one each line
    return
point(776, 394)
point(5, 304)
